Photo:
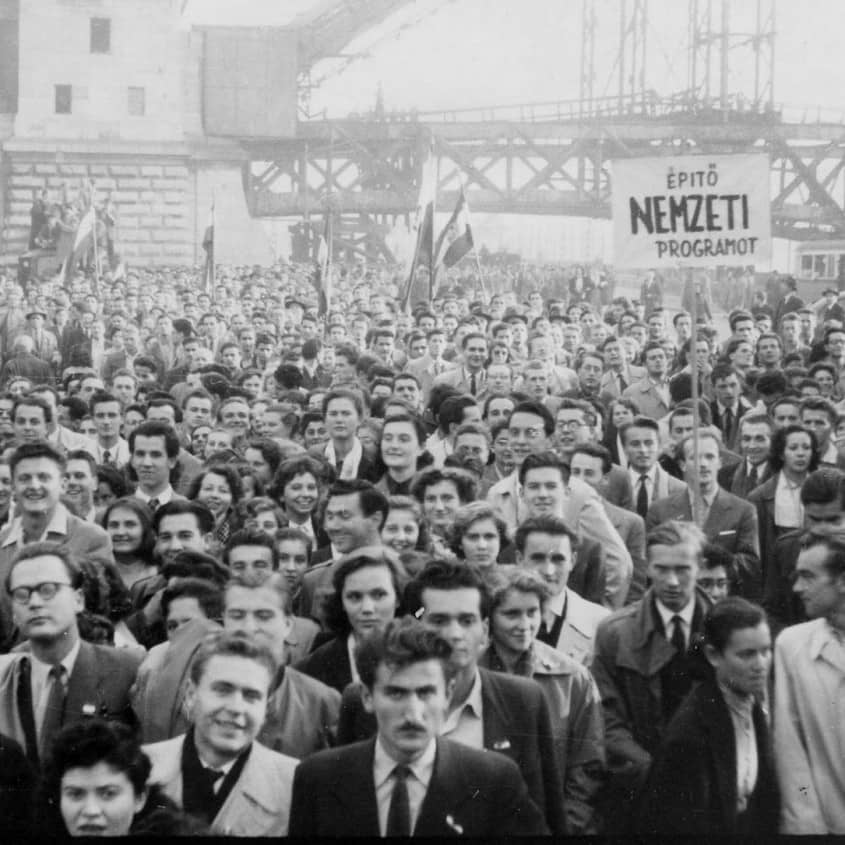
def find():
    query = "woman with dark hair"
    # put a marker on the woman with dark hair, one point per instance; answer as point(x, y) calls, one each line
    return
point(405, 528)
point(95, 784)
point(622, 411)
point(367, 593)
point(219, 488)
point(298, 487)
point(111, 486)
point(129, 524)
point(478, 535)
point(793, 455)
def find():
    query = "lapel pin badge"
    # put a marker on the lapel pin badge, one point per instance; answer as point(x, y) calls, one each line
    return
point(450, 820)
point(501, 745)
point(89, 709)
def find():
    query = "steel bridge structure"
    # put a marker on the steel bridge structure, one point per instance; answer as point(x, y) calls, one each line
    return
point(552, 158)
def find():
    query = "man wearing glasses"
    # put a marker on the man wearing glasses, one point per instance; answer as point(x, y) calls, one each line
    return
point(58, 678)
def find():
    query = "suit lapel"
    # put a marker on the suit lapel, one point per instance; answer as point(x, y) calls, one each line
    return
point(439, 814)
point(84, 694)
point(717, 722)
point(357, 796)
point(497, 725)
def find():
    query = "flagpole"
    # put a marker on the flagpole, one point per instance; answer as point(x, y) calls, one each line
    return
point(96, 251)
point(432, 269)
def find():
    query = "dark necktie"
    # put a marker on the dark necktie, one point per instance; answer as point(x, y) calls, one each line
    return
point(153, 505)
point(622, 383)
point(473, 385)
point(107, 457)
point(728, 420)
point(678, 640)
point(399, 814)
point(52, 722)
point(752, 477)
point(642, 497)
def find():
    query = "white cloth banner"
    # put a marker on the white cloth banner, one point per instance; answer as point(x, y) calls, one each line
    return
point(694, 211)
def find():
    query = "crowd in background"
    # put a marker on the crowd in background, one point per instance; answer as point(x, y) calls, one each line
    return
point(240, 538)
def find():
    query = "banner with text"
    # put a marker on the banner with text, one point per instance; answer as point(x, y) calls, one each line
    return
point(696, 211)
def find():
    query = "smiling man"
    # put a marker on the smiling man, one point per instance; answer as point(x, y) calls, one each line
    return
point(217, 771)
point(37, 482)
point(154, 449)
point(409, 780)
point(46, 684)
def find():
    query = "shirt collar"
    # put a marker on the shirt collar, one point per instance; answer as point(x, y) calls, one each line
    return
point(163, 498)
point(685, 613)
point(743, 705)
point(824, 635)
point(473, 700)
point(651, 475)
point(56, 525)
point(708, 499)
point(557, 604)
point(422, 768)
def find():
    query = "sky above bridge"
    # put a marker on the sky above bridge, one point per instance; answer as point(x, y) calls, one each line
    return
point(456, 54)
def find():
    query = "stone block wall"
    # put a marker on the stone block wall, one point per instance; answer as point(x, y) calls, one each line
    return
point(153, 199)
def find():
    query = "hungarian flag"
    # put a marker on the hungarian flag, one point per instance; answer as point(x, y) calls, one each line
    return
point(208, 246)
point(322, 274)
point(424, 226)
point(82, 242)
point(455, 240)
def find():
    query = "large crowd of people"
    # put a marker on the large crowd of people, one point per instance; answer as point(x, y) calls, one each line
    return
point(270, 570)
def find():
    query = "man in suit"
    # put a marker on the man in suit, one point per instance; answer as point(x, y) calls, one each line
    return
point(470, 377)
point(726, 520)
point(714, 774)
point(755, 439)
point(432, 364)
point(729, 406)
point(591, 464)
point(548, 546)
point(124, 358)
point(57, 679)
point(642, 664)
point(652, 392)
point(619, 374)
point(153, 450)
point(37, 481)
point(641, 442)
point(217, 771)
point(488, 710)
point(187, 467)
point(45, 345)
point(25, 364)
point(410, 780)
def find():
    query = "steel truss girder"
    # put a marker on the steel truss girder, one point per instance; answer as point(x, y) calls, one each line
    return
point(518, 171)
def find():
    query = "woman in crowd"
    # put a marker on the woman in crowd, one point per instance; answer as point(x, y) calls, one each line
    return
point(793, 455)
point(95, 783)
point(402, 448)
point(478, 535)
point(441, 492)
point(366, 596)
point(220, 489)
point(111, 486)
point(262, 513)
point(517, 599)
point(199, 440)
point(622, 412)
point(294, 548)
point(298, 487)
point(405, 529)
point(129, 524)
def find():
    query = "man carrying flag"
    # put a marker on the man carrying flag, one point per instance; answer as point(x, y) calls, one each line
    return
point(424, 249)
point(208, 246)
point(83, 241)
point(455, 240)
point(322, 274)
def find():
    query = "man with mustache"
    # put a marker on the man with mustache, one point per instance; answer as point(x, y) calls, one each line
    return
point(409, 780)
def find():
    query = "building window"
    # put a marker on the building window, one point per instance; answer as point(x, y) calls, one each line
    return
point(100, 35)
point(137, 102)
point(64, 99)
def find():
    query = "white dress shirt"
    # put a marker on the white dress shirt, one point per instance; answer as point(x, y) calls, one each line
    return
point(789, 512)
point(40, 683)
point(164, 497)
point(465, 724)
point(119, 453)
point(417, 781)
point(741, 709)
point(667, 615)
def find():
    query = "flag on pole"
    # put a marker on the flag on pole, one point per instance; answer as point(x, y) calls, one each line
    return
point(322, 275)
point(424, 227)
point(455, 240)
point(83, 241)
point(208, 246)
